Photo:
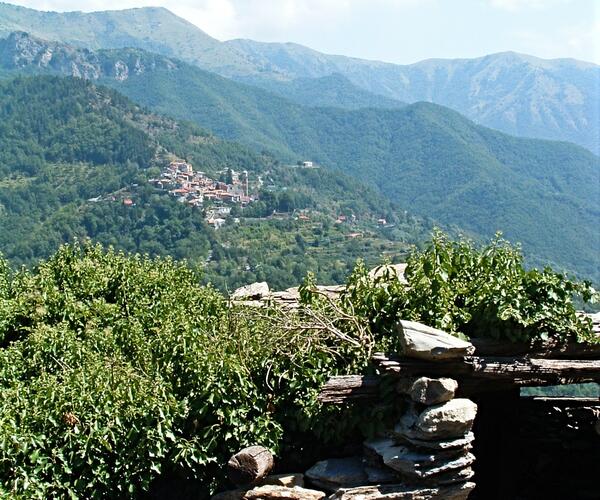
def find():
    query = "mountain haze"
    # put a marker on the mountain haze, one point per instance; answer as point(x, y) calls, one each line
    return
point(518, 94)
point(428, 159)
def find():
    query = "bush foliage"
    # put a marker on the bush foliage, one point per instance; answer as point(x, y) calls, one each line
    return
point(117, 371)
point(475, 292)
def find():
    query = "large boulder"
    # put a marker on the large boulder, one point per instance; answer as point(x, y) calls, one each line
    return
point(424, 342)
point(428, 391)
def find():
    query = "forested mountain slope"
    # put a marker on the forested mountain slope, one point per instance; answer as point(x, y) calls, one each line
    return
point(428, 159)
point(518, 94)
point(75, 163)
point(326, 91)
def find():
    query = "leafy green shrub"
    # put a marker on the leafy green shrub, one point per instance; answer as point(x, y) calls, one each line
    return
point(116, 370)
point(479, 292)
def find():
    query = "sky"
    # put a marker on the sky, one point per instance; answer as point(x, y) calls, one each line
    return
point(398, 31)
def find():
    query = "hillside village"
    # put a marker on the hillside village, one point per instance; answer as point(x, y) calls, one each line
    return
point(197, 189)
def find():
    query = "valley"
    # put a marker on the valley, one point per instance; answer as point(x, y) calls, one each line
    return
point(95, 183)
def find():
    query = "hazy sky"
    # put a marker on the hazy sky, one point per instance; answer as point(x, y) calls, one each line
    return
point(401, 31)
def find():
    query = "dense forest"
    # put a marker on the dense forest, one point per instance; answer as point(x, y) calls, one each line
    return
point(426, 158)
point(72, 152)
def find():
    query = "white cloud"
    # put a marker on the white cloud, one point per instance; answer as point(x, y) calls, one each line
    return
point(272, 19)
point(226, 19)
point(517, 5)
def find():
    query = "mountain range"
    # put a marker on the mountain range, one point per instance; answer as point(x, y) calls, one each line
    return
point(425, 158)
point(428, 159)
point(514, 93)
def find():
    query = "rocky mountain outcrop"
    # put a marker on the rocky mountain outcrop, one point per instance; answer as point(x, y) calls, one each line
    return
point(26, 52)
point(515, 93)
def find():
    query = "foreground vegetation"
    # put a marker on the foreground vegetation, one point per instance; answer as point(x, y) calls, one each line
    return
point(120, 373)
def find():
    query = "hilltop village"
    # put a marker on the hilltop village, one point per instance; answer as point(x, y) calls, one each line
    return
point(197, 189)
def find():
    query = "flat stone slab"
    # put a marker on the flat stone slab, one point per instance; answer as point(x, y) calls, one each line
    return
point(272, 492)
point(337, 473)
point(452, 477)
point(254, 291)
point(415, 463)
point(424, 342)
point(462, 442)
point(405, 492)
point(381, 475)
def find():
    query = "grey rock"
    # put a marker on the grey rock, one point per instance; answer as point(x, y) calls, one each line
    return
point(429, 391)
point(419, 464)
point(451, 477)
point(453, 418)
point(405, 492)
point(273, 492)
point(254, 291)
point(461, 442)
point(447, 421)
point(337, 473)
point(423, 342)
point(381, 475)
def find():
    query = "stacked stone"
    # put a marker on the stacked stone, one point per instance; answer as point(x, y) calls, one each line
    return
point(426, 456)
point(430, 445)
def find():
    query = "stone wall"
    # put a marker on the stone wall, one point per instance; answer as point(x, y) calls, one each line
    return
point(468, 435)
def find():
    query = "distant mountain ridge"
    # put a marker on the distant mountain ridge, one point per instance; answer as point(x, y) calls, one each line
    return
point(517, 94)
point(23, 51)
point(428, 159)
